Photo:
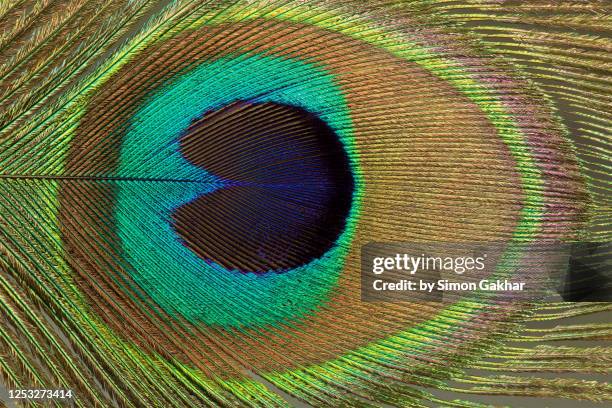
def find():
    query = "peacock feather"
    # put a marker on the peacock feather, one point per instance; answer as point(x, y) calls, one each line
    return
point(186, 186)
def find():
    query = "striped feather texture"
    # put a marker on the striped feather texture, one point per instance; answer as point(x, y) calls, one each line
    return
point(185, 188)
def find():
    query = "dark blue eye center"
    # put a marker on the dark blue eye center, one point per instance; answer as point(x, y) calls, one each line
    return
point(287, 194)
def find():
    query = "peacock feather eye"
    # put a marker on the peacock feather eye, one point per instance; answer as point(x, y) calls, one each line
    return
point(186, 189)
